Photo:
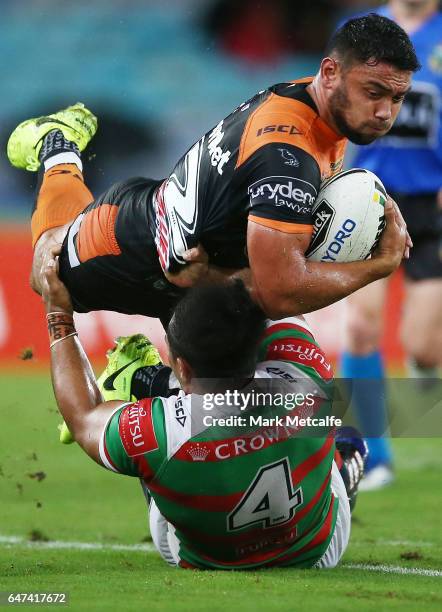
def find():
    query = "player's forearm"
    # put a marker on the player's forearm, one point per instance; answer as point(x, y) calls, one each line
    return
point(314, 286)
point(74, 383)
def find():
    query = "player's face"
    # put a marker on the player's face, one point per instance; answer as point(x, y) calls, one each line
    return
point(367, 99)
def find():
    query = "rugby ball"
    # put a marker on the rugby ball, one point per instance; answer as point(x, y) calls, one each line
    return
point(348, 217)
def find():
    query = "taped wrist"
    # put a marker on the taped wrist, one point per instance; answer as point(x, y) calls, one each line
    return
point(60, 326)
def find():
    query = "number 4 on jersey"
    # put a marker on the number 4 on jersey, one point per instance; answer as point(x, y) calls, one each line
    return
point(270, 499)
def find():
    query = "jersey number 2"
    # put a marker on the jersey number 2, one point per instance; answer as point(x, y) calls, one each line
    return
point(270, 499)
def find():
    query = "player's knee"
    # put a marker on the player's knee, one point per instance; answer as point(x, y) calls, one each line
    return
point(37, 261)
point(49, 240)
point(363, 331)
point(35, 283)
point(425, 351)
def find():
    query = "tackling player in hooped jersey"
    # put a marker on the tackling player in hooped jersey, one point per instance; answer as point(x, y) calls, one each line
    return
point(264, 492)
point(238, 204)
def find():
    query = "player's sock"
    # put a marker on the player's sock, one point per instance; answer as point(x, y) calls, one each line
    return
point(350, 457)
point(154, 381)
point(61, 198)
point(56, 149)
point(368, 402)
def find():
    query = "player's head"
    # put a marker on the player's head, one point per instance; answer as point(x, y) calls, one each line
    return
point(214, 333)
point(366, 74)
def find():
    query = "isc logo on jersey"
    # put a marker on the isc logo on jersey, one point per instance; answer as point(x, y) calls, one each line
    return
point(296, 194)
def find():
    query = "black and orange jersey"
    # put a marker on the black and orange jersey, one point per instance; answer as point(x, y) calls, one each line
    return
point(264, 163)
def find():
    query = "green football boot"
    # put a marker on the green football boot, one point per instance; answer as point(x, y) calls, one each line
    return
point(129, 354)
point(76, 122)
point(65, 434)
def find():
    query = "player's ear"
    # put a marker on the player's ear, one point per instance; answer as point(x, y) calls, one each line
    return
point(330, 72)
point(184, 373)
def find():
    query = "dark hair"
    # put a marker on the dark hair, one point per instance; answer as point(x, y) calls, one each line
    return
point(217, 330)
point(375, 38)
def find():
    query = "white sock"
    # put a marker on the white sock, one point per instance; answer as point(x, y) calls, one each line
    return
point(67, 157)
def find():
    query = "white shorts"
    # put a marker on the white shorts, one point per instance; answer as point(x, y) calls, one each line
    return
point(162, 532)
point(341, 534)
point(166, 542)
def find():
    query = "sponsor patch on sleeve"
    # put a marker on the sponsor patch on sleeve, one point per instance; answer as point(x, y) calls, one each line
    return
point(136, 428)
point(303, 352)
point(290, 197)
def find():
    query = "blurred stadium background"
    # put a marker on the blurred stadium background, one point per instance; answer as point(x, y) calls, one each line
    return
point(158, 75)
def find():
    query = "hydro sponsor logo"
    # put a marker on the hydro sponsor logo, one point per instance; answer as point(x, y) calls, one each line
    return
point(339, 239)
point(296, 194)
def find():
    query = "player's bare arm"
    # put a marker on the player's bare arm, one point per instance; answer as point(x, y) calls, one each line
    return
point(285, 283)
point(75, 388)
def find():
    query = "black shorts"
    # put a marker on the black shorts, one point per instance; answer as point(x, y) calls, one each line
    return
point(125, 277)
point(424, 226)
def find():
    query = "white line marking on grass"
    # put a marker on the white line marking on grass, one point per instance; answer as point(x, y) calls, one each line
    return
point(394, 569)
point(10, 541)
point(20, 541)
point(393, 543)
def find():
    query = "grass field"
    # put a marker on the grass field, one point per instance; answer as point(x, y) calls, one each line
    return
point(53, 499)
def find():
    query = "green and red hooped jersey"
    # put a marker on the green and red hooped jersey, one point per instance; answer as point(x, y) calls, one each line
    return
point(236, 501)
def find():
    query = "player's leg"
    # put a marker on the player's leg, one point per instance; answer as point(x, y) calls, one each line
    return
point(161, 531)
point(364, 319)
point(101, 270)
point(341, 534)
point(61, 197)
point(347, 471)
point(52, 144)
point(421, 329)
point(362, 363)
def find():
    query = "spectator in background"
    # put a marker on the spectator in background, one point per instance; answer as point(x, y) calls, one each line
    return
point(409, 162)
point(263, 32)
